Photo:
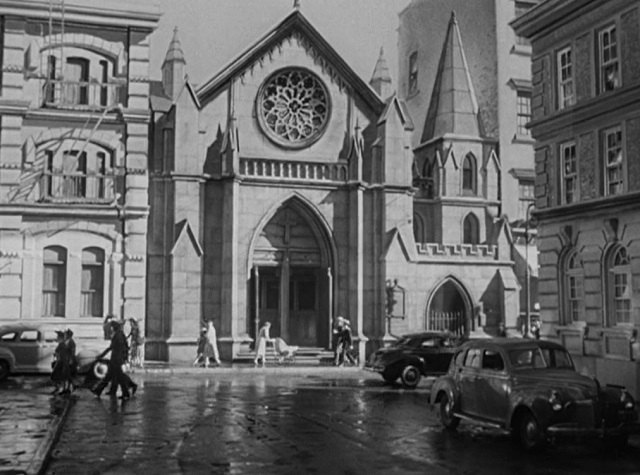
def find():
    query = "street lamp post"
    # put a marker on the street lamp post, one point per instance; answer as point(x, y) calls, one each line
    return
point(527, 283)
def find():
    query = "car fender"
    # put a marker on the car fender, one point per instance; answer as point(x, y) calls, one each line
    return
point(444, 384)
point(7, 356)
point(535, 401)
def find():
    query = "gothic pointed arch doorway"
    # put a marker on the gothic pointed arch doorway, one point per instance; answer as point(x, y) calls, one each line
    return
point(449, 308)
point(291, 281)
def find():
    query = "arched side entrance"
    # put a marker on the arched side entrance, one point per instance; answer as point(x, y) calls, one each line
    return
point(449, 308)
point(291, 282)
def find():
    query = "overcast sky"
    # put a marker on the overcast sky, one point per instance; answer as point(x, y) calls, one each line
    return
point(213, 32)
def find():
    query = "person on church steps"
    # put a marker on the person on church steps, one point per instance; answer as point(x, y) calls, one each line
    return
point(261, 344)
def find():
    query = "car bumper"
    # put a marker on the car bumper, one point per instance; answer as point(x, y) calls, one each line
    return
point(374, 368)
point(574, 430)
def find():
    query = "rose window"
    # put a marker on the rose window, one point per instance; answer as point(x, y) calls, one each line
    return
point(293, 107)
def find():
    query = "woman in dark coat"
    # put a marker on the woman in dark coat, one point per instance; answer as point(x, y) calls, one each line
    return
point(61, 374)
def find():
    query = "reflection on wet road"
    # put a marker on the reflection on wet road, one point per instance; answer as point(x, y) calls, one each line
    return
point(341, 422)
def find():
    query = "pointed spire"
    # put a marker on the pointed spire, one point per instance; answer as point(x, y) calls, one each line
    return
point(173, 67)
point(381, 79)
point(453, 108)
point(174, 52)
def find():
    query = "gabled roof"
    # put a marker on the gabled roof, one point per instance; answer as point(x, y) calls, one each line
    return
point(400, 107)
point(295, 21)
point(453, 108)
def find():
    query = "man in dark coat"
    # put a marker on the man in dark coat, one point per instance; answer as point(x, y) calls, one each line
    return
point(119, 352)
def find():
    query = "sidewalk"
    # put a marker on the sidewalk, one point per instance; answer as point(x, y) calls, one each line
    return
point(30, 424)
point(152, 367)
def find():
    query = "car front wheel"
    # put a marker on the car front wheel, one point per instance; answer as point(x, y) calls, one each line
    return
point(100, 369)
point(530, 432)
point(410, 376)
point(4, 370)
point(446, 413)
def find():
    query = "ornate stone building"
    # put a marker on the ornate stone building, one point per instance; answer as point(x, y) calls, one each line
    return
point(586, 118)
point(283, 189)
point(73, 161)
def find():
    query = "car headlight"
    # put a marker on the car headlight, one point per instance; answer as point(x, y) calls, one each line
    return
point(626, 400)
point(554, 400)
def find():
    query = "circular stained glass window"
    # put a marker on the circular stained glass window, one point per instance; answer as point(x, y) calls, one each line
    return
point(293, 107)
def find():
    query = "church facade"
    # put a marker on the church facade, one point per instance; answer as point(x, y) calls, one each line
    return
point(283, 189)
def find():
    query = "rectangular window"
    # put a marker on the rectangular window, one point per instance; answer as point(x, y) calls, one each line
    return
point(54, 276)
point(608, 59)
point(574, 297)
point(526, 195)
point(613, 161)
point(413, 73)
point(524, 112)
point(622, 300)
point(569, 172)
point(566, 94)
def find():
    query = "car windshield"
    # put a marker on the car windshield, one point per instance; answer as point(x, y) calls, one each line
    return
point(540, 358)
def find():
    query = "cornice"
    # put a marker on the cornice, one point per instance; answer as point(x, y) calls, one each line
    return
point(616, 204)
point(547, 16)
point(13, 107)
point(112, 13)
point(77, 210)
point(615, 102)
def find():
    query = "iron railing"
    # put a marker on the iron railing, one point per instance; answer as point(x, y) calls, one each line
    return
point(77, 186)
point(83, 94)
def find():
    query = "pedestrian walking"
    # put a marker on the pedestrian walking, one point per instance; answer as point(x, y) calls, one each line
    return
point(261, 344)
point(213, 341)
point(202, 343)
point(347, 344)
point(338, 325)
point(60, 374)
point(106, 327)
point(73, 361)
point(135, 341)
point(115, 375)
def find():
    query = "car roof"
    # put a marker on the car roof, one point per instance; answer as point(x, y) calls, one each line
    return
point(429, 335)
point(23, 326)
point(512, 343)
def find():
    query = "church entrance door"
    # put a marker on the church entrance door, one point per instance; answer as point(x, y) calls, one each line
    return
point(448, 309)
point(291, 279)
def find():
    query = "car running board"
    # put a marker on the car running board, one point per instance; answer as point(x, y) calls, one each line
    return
point(482, 422)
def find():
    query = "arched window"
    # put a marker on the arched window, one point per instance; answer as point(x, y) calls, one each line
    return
point(469, 174)
point(471, 230)
point(619, 291)
point(92, 282)
point(572, 291)
point(418, 228)
point(54, 277)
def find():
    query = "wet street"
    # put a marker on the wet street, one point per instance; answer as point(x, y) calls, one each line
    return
point(330, 421)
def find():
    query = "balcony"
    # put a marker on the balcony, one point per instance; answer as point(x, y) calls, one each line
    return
point(82, 95)
point(279, 170)
point(77, 187)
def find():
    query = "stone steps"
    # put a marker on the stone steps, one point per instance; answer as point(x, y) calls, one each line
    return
point(305, 356)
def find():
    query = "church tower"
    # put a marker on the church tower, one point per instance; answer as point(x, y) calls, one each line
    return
point(456, 168)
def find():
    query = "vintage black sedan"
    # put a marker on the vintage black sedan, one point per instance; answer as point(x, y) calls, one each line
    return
point(531, 389)
point(413, 356)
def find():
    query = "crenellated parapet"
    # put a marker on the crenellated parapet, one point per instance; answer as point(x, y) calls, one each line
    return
point(461, 251)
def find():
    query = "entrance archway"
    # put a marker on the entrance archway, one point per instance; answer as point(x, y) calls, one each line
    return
point(291, 276)
point(449, 308)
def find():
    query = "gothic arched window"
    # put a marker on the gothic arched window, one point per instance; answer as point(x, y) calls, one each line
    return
point(618, 289)
point(469, 181)
point(471, 230)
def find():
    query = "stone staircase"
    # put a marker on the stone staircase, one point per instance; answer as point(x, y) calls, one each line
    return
point(305, 356)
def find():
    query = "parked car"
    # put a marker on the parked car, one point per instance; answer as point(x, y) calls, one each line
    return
point(531, 389)
point(29, 348)
point(413, 356)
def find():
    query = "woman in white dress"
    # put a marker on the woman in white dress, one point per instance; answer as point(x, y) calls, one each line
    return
point(213, 341)
point(261, 343)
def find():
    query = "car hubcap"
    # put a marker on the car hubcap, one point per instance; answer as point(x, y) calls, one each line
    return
point(531, 431)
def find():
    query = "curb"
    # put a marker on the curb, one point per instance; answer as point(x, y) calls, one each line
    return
point(242, 369)
point(42, 456)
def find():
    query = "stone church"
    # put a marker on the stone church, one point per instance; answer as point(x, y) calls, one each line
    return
point(286, 189)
